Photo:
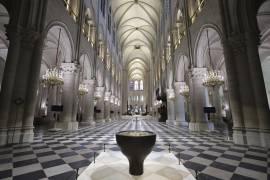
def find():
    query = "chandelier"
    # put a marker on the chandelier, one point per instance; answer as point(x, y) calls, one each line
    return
point(184, 90)
point(83, 90)
point(53, 77)
point(213, 78)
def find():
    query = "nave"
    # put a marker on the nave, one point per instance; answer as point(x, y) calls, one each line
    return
point(58, 155)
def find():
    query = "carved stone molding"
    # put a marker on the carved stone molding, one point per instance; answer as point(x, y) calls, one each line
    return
point(69, 67)
point(198, 73)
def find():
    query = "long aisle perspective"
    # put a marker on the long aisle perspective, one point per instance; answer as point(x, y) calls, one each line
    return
point(58, 155)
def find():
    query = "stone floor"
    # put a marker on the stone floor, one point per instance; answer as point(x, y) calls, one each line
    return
point(58, 155)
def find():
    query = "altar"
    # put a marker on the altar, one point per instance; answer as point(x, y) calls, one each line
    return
point(157, 166)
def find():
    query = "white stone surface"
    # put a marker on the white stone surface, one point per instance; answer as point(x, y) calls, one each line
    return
point(157, 166)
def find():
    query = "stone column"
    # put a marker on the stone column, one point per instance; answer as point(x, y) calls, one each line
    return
point(179, 105)
point(246, 89)
point(69, 97)
point(88, 114)
point(198, 93)
point(14, 37)
point(107, 107)
point(170, 106)
point(100, 104)
point(260, 95)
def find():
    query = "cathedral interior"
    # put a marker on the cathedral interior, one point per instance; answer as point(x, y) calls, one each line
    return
point(73, 73)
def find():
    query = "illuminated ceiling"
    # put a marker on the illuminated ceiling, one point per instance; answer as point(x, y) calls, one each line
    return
point(136, 22)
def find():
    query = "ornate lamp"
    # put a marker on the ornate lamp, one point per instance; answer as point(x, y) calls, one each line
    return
point(213, 79)
point(184, 90)
point(54, 76)
point(83, 90)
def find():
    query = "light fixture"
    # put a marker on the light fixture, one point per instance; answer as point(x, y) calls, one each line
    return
point(83, 90)
point(212, 78)
point(54, 76)
point(184, 90)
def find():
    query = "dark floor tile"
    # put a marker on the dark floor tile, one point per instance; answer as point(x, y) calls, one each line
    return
point(237, 150)
point(45, 153)
point(5, 174)
point(197, 150)
point(253, 167)
point(222, 166)
point(207, 156)
point(70, 175)
point(33, 176)
point(194, 166)
point(24, 163)
point(79, 164)
point(51, 143)
point(52, 163)
point(217, 150)
point(21, 146)
point(23, 153)
point(240, 177)
point(58, 147)
point(78, 148)
point(6, 152)
point(88, 155)
point(256, 157)
point(6, 160)
point(257, 150)
point(203, 176)
point(40, 147)
point(237, 158)
point(72, 153)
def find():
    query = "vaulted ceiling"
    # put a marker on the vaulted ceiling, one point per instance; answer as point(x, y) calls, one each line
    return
point(136, 22)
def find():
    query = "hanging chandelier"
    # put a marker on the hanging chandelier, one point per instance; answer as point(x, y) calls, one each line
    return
point(54, 76)
point(83, 90)
point(213, 78)
point(184, 90)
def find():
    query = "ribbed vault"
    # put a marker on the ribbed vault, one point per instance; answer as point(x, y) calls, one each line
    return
point(136, 22)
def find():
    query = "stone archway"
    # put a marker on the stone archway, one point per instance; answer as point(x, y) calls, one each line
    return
point(209, 56)
point(57, 51)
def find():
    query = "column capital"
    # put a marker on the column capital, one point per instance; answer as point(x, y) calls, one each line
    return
point(198, 73)
point(69, 67)
point(178, 84)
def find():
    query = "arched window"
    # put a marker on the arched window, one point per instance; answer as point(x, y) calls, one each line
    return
point(142, 98)
point(141, 85)
point(136, 85)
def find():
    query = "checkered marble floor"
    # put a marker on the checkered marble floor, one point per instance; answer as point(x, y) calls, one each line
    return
point(58, 155)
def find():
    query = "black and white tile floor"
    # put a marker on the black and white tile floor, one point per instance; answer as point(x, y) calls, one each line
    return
point(58, 155)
